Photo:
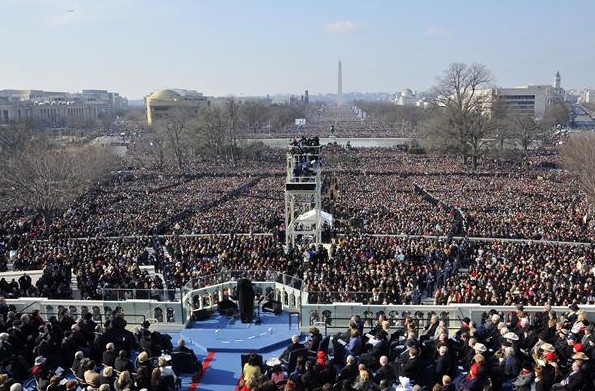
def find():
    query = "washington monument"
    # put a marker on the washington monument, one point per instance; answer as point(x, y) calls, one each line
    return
point(340, 86)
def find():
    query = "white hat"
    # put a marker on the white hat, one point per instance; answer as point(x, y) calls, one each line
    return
point(512, 336)
point(547, 347)
point(479, 347)
point(39, 360)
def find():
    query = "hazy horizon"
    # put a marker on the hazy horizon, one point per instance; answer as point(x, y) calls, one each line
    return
point(259, 48)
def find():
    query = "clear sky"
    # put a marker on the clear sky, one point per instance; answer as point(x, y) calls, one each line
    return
point(254, 47)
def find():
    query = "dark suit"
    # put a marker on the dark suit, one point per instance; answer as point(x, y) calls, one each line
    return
point(385, 372)
point(290, 348)
point(196, 364)
point(443, 366)
point(574, 381)
point(411, 367)
point(349, 372)
point(109, 358)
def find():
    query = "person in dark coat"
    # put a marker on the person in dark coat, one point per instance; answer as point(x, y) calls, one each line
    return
point(443, 363)
point(196, 363)
point(122, 362)
point(311, 378)
point(349, 371)
point(314, 340)
point(295, 344)
point(409, 366)
point(386, 371)
point(110, 355)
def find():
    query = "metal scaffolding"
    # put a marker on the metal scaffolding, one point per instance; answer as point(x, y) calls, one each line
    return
point(303, 194)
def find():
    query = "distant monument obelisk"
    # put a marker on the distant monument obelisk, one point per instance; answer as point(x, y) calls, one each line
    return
point(340, 86)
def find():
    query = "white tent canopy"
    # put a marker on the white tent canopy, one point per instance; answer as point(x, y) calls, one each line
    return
point(310, 217)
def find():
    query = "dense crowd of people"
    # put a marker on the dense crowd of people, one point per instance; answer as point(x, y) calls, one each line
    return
point(392, 244)
point(504, 351)
point(373, 191)
point(87, 352)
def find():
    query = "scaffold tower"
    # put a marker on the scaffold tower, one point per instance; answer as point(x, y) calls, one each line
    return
point(303, 193)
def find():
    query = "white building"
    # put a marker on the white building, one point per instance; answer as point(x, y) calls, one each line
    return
point(527, 100)
point(588, 96)
point(406, 98)
point(58, 108)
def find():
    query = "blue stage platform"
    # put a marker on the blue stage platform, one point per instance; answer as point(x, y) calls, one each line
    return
point(220, 341)
point(226, 334)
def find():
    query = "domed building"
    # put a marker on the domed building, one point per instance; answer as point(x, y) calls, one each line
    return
point(406, 98)
point(162, 102)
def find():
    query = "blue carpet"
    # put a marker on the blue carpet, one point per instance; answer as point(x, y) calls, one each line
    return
point(226, 339)
point(222, 334)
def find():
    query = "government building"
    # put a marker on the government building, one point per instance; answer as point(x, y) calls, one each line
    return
point(58, 109)
point(160, 103)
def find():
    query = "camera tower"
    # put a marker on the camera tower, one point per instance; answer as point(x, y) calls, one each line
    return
point(302, 193)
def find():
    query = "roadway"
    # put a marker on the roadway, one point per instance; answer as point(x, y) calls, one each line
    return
point(581, 118)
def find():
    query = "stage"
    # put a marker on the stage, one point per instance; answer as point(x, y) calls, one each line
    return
point(220, 333)
point(219, 342)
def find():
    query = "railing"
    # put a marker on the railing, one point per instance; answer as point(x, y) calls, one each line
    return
point(141, 294)
point(135, 311)
point(234, 275)
point(336, 317)
point(330, 317)
point(206, 292)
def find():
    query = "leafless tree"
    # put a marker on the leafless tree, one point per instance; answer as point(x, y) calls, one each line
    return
point(556, 115)
point(45, 178)
point(174, 130)
point(526, 130)
point(210, 131)
point(578, 156)
point(255, 115)
point(466, 121)
point(13, 139)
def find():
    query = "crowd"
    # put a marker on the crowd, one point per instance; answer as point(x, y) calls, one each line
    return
point(372, 192)
point(504, 351)
point(374, 195)
point(90, 352)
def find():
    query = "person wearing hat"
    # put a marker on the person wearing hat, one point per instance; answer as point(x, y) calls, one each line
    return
point(565, 348)
point(314, 339)
point(41, 373)
point(572, 315)
point(107, 376)
point(510, 339)
point(91, 375)
point(550, 370)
